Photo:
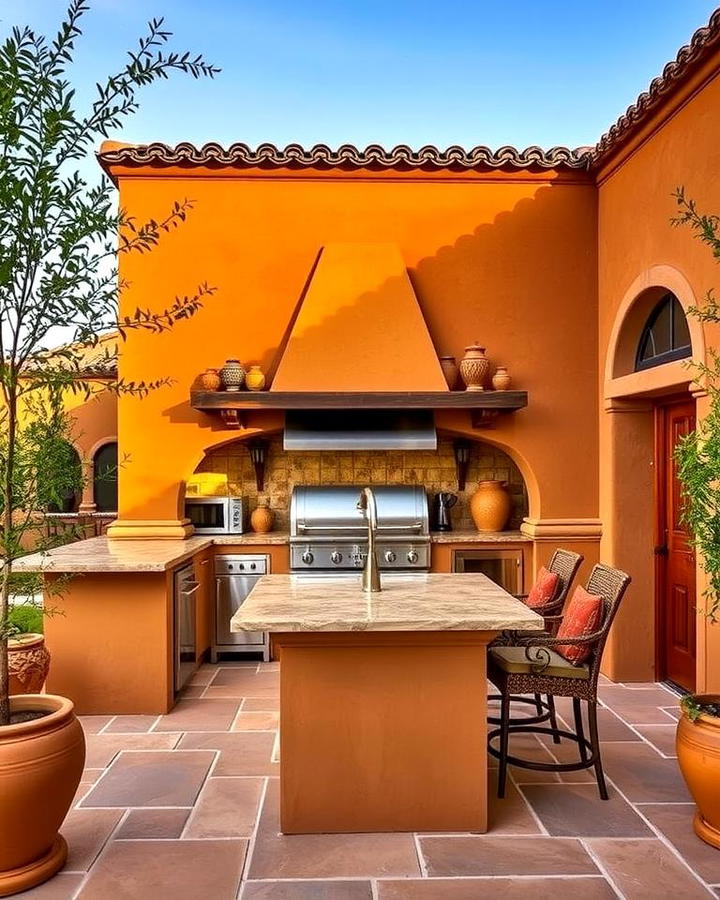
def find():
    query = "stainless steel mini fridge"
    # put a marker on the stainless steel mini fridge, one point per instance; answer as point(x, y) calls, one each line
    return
point(235, 576)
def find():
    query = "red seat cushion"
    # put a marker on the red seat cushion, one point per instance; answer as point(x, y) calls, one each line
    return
point(582, 616)
point(543, 591)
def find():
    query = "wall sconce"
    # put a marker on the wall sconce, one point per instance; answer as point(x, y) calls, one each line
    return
point(461, 449)
point(258, 454)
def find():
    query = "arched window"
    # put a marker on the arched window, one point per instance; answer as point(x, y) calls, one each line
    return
point(665, 337)
point(105, 478)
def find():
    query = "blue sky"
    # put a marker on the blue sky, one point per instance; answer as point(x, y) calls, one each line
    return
point(399, 71)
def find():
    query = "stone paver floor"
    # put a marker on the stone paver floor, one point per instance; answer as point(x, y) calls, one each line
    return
point(185, 806)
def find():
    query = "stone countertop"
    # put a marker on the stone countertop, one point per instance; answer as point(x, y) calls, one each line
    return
point(429, 602)
point(99, 554)
point(478, 537)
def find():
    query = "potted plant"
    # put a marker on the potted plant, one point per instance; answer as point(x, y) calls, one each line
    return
point(698, 465)
point(28, 658)
point(58, 283)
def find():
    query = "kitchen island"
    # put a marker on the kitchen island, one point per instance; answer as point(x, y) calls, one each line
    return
point(383, 697)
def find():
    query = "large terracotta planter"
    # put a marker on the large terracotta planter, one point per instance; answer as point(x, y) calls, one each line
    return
point(41, 762)
point(698, 750)
point(490, 506)
point(29, 662)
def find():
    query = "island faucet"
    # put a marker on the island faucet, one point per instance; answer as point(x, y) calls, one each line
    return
point(371, 571)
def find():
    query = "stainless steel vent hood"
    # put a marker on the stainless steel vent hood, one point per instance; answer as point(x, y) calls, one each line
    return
point(359, 429)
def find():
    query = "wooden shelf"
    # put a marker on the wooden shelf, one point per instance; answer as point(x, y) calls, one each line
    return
point(483, 406)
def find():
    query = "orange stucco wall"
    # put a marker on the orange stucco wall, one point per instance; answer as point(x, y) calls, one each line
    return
point(639, 249)
point(507, 259)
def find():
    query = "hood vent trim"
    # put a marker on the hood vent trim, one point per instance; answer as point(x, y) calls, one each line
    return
point(359, 429)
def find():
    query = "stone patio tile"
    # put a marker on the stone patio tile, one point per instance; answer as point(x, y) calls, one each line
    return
point(167, 870)
point(567, 752)
point(593, 888)
point(610, 727)
point(93, 724)
point(326, 855)
point(661, 736)
point(156, 824)
point(101, 749)
point(264, 704)
point(511, 815)
point(203, 676)
point(642, 775)
point(307, 890)
point(675, 821)
point(256, 721)
point(199, 715)
point(131, 724)
point(576, 810)
point(86, 831)
point(646, 869)
point(172, 778)
point(527, 746)
point(63, 886)
point(638, 707)
point(241, 753)
point(238, 683)
point(225, 808)
point(488, 855)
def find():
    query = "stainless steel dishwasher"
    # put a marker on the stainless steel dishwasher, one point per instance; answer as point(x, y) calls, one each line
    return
point(235, 576)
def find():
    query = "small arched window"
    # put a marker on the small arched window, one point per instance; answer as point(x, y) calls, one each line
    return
point(105, 478)
point(665, 337)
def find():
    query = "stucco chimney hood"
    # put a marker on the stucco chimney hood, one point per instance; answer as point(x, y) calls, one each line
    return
point(359, 329)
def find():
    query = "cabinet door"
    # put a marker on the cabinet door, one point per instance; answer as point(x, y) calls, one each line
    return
point(504, 567)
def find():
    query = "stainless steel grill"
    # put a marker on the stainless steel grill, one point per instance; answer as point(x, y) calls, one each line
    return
point(328, 533)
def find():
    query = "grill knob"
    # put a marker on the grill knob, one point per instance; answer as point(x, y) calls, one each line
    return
point(390, 556)
point(412, 556)
point(307, 557)
point(336, 557)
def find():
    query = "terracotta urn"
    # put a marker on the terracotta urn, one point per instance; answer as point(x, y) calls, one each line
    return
point(262, 519)
point(501, 379)
point(210, 380)
point(698, 752)
point(490, 506)
point(29, 663)
point(474, 367)
point(41, 762)
point(450, 370)
point(232, 375)
point(255, 379)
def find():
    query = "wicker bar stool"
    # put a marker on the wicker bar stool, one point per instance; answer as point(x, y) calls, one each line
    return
point(534, 667)
point(565, 564)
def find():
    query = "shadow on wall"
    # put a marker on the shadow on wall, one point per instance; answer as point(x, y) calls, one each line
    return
point(434, 470)
point(524, 285)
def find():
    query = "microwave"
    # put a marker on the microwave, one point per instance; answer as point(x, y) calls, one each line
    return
point(216, 515)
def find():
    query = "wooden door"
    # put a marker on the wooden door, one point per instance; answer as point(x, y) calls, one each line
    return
point(676, 601)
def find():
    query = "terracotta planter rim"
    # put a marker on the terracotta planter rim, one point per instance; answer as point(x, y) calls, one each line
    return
point(24, 641)
point(710, 721)
point(492, 481)
point(59, 708)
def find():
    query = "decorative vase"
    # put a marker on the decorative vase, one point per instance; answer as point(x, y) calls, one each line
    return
point(255, 379)
point(490, 506)
point(501, 379)
point(29, 663)
point(474, 367)
point(232, 375)
point(450, 370)
point(262, 519)
point(698, 752)
point(41, 762)
point(210, 380)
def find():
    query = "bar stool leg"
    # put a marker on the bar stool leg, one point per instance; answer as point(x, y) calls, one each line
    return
point(592, 720)
point(553, 718)
point(504, 739)
point(579, 730)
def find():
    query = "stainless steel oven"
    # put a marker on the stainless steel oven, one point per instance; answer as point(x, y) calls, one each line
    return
point(235, 576)
point(216, 515)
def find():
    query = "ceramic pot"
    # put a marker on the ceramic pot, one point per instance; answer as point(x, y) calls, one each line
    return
point(262, 519)
point(501, 379)
point(698, 752)
point(210, 380)
point(450, 370)
point(255, 379)
point(41, 762)
point(232, 375)
point(29, 663)
point(490, 506)
point(474, 367)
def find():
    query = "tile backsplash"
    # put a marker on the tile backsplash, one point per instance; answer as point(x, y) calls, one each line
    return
point(433, 469)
